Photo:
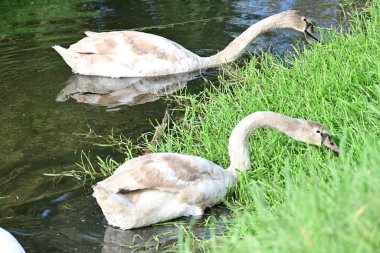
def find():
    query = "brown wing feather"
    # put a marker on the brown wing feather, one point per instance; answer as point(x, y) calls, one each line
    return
point(165, 172)
point(131, 44)
point(95, 45)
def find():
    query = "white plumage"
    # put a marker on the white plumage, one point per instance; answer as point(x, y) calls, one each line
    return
point(9, 244)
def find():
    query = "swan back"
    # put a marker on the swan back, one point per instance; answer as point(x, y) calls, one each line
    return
point(128, 54)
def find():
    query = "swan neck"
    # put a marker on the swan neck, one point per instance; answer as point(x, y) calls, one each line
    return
point(238, 142)
point(239, 44)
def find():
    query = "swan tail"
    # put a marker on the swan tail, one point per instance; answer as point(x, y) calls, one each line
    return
point(116, 208)
point(70, 57)
point(99, 192)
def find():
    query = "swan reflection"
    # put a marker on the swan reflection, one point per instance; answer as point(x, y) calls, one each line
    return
point(117, 240)
point(114, 92)
point(157, 238)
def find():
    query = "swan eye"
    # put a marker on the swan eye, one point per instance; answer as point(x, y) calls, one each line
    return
point(318, 131)
point(304, 19)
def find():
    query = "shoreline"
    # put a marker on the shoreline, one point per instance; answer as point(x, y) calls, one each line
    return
point(297, 197)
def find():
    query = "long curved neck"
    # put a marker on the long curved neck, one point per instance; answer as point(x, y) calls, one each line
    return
point(239, 44)
point(238, 142)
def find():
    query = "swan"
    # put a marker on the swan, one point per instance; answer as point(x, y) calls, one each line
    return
point(8, 243)
point(162, 186)
point(136, 54)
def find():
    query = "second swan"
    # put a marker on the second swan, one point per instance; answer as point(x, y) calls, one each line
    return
point(162, 186)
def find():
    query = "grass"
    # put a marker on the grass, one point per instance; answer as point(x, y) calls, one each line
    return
point(297, 197)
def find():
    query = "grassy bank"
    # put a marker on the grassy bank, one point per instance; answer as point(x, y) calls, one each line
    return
point(297, 198)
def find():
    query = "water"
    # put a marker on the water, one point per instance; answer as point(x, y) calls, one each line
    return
point(43, 105)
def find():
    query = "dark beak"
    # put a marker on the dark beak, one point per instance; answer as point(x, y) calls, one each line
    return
point(309, 31)
point(328, 142)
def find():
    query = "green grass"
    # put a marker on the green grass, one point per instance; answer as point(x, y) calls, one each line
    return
point(297, 197)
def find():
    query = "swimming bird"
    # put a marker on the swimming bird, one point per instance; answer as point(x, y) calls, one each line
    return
point(136, 54)
point(162, 186)
point(8, 243)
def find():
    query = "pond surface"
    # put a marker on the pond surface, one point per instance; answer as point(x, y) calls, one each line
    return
point(44, 106)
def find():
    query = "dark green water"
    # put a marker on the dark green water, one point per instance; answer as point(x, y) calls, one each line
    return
point(40, 113)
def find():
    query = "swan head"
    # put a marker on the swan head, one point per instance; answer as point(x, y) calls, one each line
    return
point(314, 133)
point(297, 21)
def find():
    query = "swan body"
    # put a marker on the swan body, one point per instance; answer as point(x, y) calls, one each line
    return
point(163, 186)
point(8, 243)
point(136, 54)
point(159, 187)
point(128, 54)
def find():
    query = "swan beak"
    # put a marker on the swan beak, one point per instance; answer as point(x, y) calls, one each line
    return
point(328, 142)
point(309, 31)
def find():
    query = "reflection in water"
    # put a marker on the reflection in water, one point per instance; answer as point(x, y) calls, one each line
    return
point(114, 92)
point(158, 237)
point(117, 240)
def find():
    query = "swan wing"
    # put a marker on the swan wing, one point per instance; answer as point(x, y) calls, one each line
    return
point(140, 53)
point(163, 171)
point(158, 187)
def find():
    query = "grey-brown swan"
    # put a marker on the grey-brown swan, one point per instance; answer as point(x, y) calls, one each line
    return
point(163, 186)
point(135, 54)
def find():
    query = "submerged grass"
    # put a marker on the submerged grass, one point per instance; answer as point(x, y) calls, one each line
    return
point(87, 172)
